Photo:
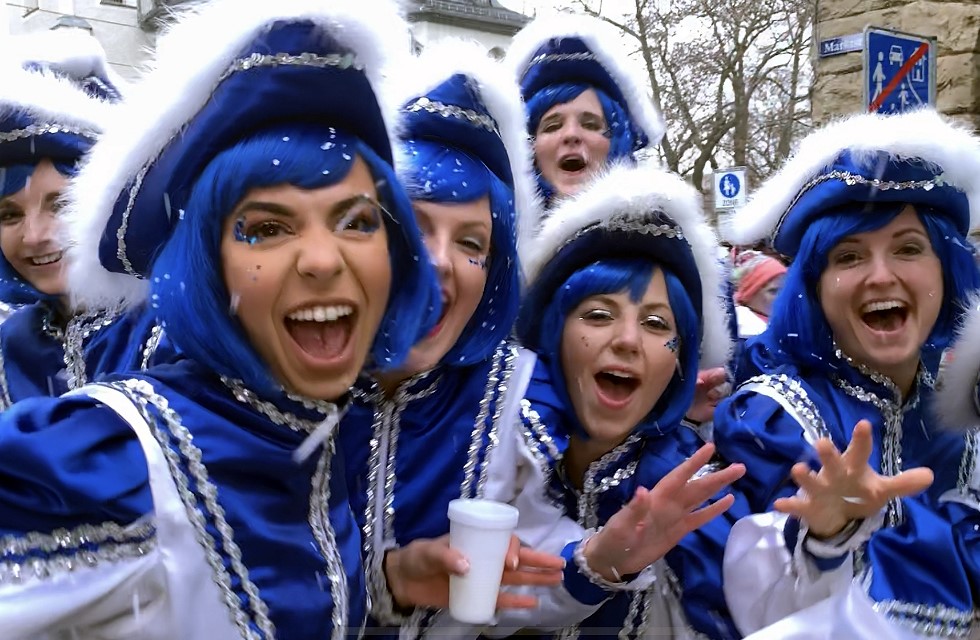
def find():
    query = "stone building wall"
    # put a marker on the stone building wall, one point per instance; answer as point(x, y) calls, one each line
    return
point(838, 87)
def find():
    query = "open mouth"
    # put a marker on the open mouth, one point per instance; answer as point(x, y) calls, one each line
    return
point(572, 163)
point(322, 332)
point(885, 316)
point(446, 305)
point(46, 259)
point(616, 387)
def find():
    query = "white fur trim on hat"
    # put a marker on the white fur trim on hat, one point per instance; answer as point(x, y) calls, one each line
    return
point(502, 98)
point(606, 43)
point(956, 401)
point(625, 189)
point(191, 57)
point(71, 51)
point(50, 99)
point(920, 134)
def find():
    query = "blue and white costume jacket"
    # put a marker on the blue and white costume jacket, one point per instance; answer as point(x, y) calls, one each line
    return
point(169, 505)
point(680, 595)
point(409, 454)
point(913, 572)
point(42, 354)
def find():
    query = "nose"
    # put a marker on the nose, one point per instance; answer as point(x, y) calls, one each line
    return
point(320, 256)
point(438, 247)
point(571, 132)
point(38, 228)
point(881, 272)
point(627, 337)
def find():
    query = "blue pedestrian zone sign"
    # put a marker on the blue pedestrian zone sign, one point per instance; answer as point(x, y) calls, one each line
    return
point(899, 71)
point(730, 191)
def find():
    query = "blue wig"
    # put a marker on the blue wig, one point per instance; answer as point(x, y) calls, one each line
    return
point(436, 173)
point(14, 288)
point(188, 290)
point(615, 276)
point(619, 131)
point(798, 331)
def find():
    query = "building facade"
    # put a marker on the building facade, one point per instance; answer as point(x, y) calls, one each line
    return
point(127, 28)
point(839, 79)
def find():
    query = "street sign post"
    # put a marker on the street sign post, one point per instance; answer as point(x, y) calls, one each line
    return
point(899, 71)
point(731, 191)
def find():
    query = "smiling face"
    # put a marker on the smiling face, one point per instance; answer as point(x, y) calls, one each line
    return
point(457, 237)
point(29, 230)
point(618, 356)
point(308, 274)
point(571, 143)
point(881, 293)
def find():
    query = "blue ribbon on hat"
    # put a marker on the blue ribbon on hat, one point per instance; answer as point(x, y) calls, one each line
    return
point(567, 59)
point(454, 115)
point(876, 178)
point(293, 72)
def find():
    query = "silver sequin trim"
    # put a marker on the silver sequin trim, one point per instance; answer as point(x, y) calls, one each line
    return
point(142, 394)
point(852, 179)
point(496, 387)
point(65, 550)
point(5, 400)
point(481, 120)
point(386, 427)
point(587, 507)
point(46, 128)
point(562, 57)
point(968, 463)
point(151, 346)
point(466, 489)
point(326, 539)
point(124, 223)
point(796, 395)
point(272, 412)
point(77, 331)
point(536, 436)
point(306, 59)
point(929, 620)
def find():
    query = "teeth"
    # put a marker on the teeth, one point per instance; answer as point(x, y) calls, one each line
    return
point(321, 313)
point(883, 305)
point(619, 374)
point(47, 258)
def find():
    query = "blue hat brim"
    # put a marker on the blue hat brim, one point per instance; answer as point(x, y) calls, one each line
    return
point(885, 180)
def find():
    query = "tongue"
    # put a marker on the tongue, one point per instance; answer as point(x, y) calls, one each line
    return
point(884, 320)
point(322, 340)
point(614, 390)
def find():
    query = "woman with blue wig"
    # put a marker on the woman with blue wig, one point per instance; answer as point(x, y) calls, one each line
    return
point(423, 433)
point(53, 104)
point(621, 309)
point(585, 105)
point(245, 190)
point(880, 540)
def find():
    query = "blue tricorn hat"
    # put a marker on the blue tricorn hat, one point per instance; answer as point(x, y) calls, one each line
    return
point(640, 212)
point(47, 111)
point(917, 158)
point(50, 106)
point(226, 70)
point(583, 50)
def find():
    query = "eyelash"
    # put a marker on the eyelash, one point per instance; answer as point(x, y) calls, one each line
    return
point(652, 322)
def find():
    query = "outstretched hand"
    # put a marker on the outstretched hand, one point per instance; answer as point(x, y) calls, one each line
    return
point(418, 573)
point(711, 387)
point(655, 520)
point(846, 488)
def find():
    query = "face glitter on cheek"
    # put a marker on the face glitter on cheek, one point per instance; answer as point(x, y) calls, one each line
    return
point(673, 345)
point(479, 263)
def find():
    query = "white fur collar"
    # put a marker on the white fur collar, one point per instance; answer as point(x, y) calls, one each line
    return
point(956, 401)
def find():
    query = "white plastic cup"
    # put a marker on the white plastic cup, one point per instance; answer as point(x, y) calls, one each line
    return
point(480, 530)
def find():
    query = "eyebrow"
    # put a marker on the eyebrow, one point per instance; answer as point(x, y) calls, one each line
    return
point(343, 206)
point(898, 234)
